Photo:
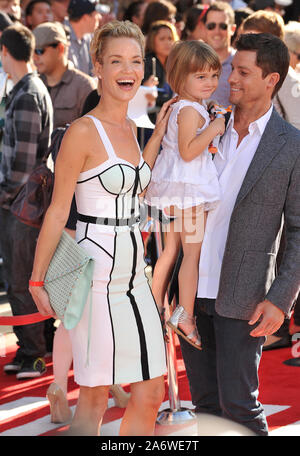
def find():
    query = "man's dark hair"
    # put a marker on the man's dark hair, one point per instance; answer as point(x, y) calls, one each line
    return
point(272, 55)
point(31, 5)
point(19, 41)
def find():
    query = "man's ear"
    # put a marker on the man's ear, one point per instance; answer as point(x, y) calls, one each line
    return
point(273, 79)
point(4, 50)
point(28, 20)
point(61, 47)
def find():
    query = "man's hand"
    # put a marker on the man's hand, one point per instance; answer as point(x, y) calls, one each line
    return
point(272, 319)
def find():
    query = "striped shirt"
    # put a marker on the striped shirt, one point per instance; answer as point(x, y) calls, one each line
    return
point(27, 133)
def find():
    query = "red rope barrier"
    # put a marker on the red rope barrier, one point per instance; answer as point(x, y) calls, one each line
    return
point(20, 320)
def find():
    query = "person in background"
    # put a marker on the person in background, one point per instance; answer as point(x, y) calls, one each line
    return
point(135, 12)
point(239, 16)
point(60, 10)
point(162, 10)
point(5, 81)
point(5, 87)
point(160, 39)
point(37, 12)
point(12, 8)
point(26, 138)
point(194, 28)
point(264, 22)
point(68, 87)
point(236, 4)
point(277, 6)
point(220, 27)
point(287, 101)
point(84, 18)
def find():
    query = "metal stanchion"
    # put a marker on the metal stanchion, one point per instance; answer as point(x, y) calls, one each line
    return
point(175, 414)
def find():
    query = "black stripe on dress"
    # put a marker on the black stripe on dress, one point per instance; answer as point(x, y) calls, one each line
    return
point(142, 337)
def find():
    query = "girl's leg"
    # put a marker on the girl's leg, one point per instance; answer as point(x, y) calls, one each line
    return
point(141, 412)
point(193, 225)
point(120, 396)
point(164, 265)
point(91, 406)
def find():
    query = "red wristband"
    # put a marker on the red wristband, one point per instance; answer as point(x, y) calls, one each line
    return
point(36, 284)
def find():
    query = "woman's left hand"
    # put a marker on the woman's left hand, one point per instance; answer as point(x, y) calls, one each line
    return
point(41, 299)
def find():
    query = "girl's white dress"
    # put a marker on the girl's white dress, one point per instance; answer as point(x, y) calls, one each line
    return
point(178, 182)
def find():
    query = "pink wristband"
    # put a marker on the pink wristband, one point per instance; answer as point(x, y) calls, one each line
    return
point(36, 284)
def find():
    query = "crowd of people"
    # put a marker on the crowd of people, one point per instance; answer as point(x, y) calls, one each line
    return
point(220, 170)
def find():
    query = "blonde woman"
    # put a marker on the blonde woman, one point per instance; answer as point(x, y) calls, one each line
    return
point(100, 160)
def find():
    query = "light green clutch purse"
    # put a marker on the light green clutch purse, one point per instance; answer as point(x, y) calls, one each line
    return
point(69, 280)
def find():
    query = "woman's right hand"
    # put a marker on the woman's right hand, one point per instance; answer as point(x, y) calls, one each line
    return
point(41, 299)
point(163, 117)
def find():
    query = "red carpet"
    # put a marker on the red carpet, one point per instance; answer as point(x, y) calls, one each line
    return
point(279, 386)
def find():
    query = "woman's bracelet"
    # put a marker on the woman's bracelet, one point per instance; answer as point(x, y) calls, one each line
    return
point(36, 284)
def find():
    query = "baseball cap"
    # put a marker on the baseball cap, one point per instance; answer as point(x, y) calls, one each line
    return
point(283, 2)
point(49, 33)
point(78, 8)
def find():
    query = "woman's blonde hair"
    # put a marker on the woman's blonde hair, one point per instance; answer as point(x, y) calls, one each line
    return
point(153, 31)
point(189, 57)
point(114, 29)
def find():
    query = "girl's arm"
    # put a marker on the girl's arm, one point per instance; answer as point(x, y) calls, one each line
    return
point(189, 143)
point(152, 147)
point(69, 163)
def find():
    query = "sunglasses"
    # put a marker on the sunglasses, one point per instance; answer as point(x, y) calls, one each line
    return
point(213, 25)
point(42, 50)
point(297, 55)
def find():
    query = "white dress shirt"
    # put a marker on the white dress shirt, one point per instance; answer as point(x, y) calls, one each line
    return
point(232, 165)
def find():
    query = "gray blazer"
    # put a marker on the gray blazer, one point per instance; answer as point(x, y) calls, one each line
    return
point(269, 193)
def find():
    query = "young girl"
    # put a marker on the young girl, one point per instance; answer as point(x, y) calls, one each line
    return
point(184, 182)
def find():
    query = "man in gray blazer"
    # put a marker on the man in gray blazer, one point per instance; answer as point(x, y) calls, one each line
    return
point(240, 300)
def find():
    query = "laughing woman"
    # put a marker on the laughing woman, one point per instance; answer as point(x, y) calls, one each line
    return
point(100, 160)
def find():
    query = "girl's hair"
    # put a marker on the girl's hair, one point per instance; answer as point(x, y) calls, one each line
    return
point(114, 29)
point(189, 57)
point(153, 31)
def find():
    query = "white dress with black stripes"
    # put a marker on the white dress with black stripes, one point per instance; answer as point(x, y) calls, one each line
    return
point(126, 339)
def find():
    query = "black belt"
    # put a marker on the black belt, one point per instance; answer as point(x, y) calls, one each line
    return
point(108, 221)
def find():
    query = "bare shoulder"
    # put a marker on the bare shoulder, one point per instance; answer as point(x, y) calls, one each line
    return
point(81, 126)
point(76, 139)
